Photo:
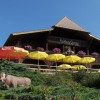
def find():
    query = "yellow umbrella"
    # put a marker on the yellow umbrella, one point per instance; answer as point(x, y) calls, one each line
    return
point(55, 57)
point(78, 67)
point(71, 59)
point(38, 55)
point(64, 66)
point(87, 60)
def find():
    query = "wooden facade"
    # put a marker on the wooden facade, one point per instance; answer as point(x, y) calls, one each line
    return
point(64, 33)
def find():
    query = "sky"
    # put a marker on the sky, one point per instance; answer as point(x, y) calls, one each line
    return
point(27, 15)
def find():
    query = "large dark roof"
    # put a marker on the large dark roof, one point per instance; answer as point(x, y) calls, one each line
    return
point(69, 24)
point(64, 23)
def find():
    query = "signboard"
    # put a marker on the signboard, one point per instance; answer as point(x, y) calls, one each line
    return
point(66, 41)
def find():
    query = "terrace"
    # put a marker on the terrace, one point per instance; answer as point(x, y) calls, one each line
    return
point(50, 67)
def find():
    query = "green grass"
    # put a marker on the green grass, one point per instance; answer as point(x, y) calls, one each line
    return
point(60, 86)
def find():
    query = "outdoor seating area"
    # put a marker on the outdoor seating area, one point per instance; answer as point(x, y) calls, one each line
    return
point(53, 62)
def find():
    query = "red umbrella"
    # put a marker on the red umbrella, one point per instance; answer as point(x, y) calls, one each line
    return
point(12, 52)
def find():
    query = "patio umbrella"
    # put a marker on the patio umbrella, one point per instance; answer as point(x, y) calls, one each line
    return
point(55, 57)
point(64, 66)
point(17, 54)
point(78, 67)
point(12, 52)
point(86, 60)
point(71, 59)
point(38, 55)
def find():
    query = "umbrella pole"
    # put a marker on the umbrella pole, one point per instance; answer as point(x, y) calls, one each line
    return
point(87, 67)
point(19, 61)
point(38, 66)
point(56, 65)
point(90, 67)
point(9, 58)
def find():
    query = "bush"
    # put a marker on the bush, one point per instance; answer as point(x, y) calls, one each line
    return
point(93, 95)
point(12, 68)
point(63, 92)
point(87, 79)
point(91, 80)
point(78, 76)
point(60, 78)
point(10, 96)
point(85, 93)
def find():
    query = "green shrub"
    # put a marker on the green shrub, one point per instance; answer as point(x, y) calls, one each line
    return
point(62, 92)
point(13, 68)
point(87, 79)
point(25, 96)
point(92, 95)
point(10, 96)
point(78, 76)
point(60, 78)
point(91, 80)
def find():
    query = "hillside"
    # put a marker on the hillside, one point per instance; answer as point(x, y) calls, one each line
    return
point(59, 86)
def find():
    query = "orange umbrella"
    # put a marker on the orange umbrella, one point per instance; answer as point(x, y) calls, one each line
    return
point(17, 54)
point(12, 52)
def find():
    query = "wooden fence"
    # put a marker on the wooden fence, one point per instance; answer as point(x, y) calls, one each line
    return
point(52, 69)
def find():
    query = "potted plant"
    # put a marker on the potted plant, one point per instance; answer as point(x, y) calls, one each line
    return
point(81, 53)
point(40, 48)
point(95, 54)
point(56, 50)
point(28, 47)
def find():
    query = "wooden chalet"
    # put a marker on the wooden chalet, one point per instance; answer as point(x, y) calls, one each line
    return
point(64, 33)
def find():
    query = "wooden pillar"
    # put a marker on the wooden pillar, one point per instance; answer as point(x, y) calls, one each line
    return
point(46, 46)
point(74, 49)
point(19, 44)
point(63, 48)
point(87, 51)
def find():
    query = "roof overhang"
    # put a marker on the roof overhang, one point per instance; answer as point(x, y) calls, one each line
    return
point(94, 37)
point(17, 35)
point(33, 31)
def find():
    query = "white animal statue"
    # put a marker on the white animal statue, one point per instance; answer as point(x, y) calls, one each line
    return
point(14, 81)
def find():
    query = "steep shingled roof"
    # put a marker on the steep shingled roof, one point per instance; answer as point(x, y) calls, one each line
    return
point(69, 24)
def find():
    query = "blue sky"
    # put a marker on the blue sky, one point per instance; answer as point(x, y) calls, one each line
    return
point(26, 15)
